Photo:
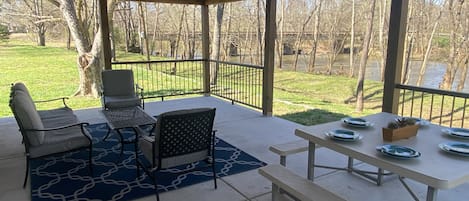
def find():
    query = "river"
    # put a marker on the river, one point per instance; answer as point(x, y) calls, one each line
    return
point(432, 78)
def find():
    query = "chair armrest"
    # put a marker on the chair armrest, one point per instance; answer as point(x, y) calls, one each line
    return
point(140, 90)
point(81, 124)
point(142, 98)
point(148, 138)
point(54, 99)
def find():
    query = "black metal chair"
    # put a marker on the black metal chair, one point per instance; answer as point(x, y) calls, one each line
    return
point(119, 90)
point(180, 137)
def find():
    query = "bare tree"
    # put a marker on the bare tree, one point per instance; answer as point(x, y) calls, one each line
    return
point(90, 60)
point(281, 24)
point(457, 44)
point(352, 41)
point(423, 66)
point(364, 58)
point(299, 38)
point(216, 43)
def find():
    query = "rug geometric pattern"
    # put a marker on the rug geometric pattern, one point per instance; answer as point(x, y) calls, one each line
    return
point(67, 177)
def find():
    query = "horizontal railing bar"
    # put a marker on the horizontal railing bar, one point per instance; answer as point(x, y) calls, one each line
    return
point(153, 61)
point(238, 64)
point(234, 100)
point(433, 91)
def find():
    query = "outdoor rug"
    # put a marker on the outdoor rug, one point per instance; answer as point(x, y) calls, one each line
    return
point(67, 177)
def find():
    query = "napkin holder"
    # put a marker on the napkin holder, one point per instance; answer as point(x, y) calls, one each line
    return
point(400, 133)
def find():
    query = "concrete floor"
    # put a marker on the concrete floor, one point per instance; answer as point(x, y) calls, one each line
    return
point(248, 130)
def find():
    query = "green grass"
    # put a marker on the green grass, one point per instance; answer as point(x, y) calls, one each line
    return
point(51, 72)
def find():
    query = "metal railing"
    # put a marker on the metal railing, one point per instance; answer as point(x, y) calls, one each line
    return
point(166, 78)
point(441, 107)
point(240, 83)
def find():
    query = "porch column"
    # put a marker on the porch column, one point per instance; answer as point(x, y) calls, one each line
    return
point(205, 49)
point(104, 22)
point(269, 51)
point(395, 54)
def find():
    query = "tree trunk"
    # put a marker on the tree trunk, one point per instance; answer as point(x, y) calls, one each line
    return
point(299, 38)
point(90, 60)
point(382, 42)
point(463, 76)
point(281, 24)
point(423, 66)
point(176, 48)
point(364, 58)
point(352, 41)
point(456, 43)
point(216, 44)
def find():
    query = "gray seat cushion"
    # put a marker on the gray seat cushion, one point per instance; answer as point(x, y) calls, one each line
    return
point(60, 141)
point(58, 121)
point(28, 118)
point(121, 101)
point(55, 113)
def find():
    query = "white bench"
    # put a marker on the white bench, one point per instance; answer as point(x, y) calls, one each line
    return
point(283, 180)
point(289, 148)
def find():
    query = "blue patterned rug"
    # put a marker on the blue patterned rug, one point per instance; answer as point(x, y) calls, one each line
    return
point(67, 177)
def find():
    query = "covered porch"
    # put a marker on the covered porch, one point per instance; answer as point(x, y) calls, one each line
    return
point(244, 128)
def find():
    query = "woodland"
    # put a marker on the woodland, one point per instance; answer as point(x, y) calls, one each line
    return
point(316, 30)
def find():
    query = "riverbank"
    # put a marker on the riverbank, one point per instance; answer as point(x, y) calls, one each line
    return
point(300, 97)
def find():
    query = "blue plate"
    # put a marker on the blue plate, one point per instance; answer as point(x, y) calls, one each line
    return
point(457, 132)
point(397, 151)
point(458, 148)
point(344, 135)
point(356, 122)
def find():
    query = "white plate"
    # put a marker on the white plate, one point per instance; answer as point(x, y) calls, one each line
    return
point(344, 135)
point(457, 132)
point(419, 121)
point(397, 151)
point(356, 122)
point(457, 148)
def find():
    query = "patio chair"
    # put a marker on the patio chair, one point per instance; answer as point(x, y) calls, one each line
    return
point(180, 137)
point(52, 133)
point(119, 90)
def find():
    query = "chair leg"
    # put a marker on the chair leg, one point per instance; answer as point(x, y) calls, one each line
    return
point(27, 172)
point(214, 174)
point(156, 187)
point(107, 134)
point(90, 160)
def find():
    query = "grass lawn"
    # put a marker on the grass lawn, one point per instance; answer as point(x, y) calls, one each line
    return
point(51, 72)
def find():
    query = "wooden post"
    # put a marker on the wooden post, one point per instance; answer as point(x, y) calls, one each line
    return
point(105, 34)
point(395, 54)
point(268, 73)
point(205, 48)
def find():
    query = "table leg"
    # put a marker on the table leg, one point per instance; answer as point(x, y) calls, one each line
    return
point(350, 164)
point(432, 193)
point(121, 138)
point(311, 155)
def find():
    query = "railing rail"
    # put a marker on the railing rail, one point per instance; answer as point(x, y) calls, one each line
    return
point(241, 83)
point(238, 82)
point(442, 107)
point(166, 78)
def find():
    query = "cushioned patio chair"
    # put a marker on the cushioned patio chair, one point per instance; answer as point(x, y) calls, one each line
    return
point(51, 133)
point(119, 90)
point(180, 137)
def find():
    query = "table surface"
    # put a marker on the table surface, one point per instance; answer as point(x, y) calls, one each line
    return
point(127, 117)
point(434, 167)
